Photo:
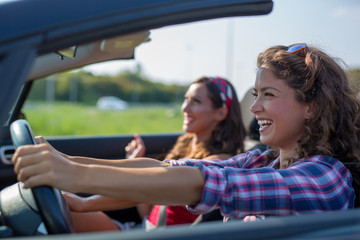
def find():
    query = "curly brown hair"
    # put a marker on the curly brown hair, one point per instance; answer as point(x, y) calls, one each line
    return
point(333, 127)
point(228, 136)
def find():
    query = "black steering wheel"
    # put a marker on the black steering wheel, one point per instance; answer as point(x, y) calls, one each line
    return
point(51, 204)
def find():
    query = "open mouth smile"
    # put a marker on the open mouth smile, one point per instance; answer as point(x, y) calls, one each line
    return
point(188, 120)
point(264, 124)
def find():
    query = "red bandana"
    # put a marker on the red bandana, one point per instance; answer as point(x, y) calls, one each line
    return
point(224, 89)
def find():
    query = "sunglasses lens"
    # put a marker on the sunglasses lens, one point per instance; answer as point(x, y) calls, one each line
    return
point(296, 48)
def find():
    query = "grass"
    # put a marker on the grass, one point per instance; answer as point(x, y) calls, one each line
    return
point(60, 119)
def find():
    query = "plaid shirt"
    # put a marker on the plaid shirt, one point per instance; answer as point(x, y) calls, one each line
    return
point(250, 184)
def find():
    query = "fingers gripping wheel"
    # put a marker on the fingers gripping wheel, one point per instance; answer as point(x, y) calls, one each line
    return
point(52, 206)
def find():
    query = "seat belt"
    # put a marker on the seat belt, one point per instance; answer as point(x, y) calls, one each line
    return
point(198, 220)
point(162, 217)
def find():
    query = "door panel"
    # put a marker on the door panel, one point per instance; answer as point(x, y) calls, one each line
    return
point(112, 147)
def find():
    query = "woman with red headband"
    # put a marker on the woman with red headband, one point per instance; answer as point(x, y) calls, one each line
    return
point(214, 130)
point(306, 110)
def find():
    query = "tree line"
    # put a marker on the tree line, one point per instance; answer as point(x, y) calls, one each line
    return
point(86, 88)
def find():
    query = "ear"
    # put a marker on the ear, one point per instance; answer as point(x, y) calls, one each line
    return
point(309, 110)
point(221, 113)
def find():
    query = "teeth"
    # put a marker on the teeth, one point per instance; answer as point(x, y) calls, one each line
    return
point(188, 120)
point(264, 123)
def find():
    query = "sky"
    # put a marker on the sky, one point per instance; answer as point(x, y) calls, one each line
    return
point(229, 47)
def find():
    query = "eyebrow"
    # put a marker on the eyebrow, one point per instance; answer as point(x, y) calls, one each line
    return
point(266, 88)
point(193, 96)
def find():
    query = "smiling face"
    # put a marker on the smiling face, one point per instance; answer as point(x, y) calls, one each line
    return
point(280, 116)
point(200, 116)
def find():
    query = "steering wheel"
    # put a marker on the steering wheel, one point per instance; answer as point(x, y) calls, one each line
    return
point(51, 204)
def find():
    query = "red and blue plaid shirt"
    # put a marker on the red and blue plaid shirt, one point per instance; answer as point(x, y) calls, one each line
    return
point(250, 184)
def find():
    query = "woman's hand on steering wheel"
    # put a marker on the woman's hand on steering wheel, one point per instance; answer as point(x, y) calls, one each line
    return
point(39, 165)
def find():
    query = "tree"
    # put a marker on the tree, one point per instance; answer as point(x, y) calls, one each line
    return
point(354, 79)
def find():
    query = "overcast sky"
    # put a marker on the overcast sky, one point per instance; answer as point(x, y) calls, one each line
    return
point(229, 47)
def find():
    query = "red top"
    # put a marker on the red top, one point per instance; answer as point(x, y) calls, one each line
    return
point(174, 215)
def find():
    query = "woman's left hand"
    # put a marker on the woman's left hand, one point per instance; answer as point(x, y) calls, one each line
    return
point(136, 148)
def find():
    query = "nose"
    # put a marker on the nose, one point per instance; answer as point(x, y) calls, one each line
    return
point(185, 106)
point(256, 106)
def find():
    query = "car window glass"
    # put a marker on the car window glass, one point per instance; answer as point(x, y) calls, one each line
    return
point(79, 103)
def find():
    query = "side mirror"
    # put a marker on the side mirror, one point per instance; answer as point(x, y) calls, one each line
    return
point(21, 115)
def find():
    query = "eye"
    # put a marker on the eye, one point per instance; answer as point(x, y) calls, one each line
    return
point(255, 94)
point(269, 94)
point(191, 100)
point(196, 100)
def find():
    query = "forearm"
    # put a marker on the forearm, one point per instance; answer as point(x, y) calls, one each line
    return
point(102, 203)
point(139, 180)
point(167, 186)
point(125, 163)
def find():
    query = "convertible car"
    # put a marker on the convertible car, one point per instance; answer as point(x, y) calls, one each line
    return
point(39, 38)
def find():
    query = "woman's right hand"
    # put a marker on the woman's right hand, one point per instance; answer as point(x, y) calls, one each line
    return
point(136, 148)
point(75, 202)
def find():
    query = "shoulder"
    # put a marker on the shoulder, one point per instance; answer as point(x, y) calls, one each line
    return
point(252, 154)
point(323, 160)
point(322, 164)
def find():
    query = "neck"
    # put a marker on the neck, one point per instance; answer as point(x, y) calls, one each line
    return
point(201, 137)
point(197, 139)
point(286, 155)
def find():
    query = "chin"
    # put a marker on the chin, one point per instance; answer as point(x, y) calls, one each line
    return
point(188, 130)
point(185, 129)
point(265, 141)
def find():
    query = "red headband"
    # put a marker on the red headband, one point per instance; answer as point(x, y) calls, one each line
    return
point(224, 89)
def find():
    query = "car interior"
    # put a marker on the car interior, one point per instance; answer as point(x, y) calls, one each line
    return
point(115, 48)
point(43, 210)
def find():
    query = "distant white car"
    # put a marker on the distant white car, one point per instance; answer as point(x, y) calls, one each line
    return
point(111, 103)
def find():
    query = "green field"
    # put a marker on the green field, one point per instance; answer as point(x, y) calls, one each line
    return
point(60, 119)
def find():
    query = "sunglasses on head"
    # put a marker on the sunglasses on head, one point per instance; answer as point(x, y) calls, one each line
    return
point(297, 47)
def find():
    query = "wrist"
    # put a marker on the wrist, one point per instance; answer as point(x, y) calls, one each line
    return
point(83, 178)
